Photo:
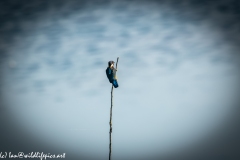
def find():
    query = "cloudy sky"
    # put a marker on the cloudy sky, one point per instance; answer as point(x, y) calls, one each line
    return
point(178, 75)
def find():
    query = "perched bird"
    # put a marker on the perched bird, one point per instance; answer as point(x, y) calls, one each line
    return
point(111, 74)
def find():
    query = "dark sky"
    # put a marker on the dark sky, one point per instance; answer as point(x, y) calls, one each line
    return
point(48, 50)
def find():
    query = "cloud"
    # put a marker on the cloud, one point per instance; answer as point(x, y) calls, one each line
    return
point(177, 70)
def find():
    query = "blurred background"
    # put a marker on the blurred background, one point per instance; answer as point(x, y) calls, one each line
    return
point(178, 75)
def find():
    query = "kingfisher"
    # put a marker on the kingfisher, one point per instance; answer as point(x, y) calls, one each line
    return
point(111, 74)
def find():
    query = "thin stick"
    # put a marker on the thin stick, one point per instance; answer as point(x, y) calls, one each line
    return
point(110, 123)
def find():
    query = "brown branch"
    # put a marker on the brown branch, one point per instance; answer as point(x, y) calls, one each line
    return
point(110, 123)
